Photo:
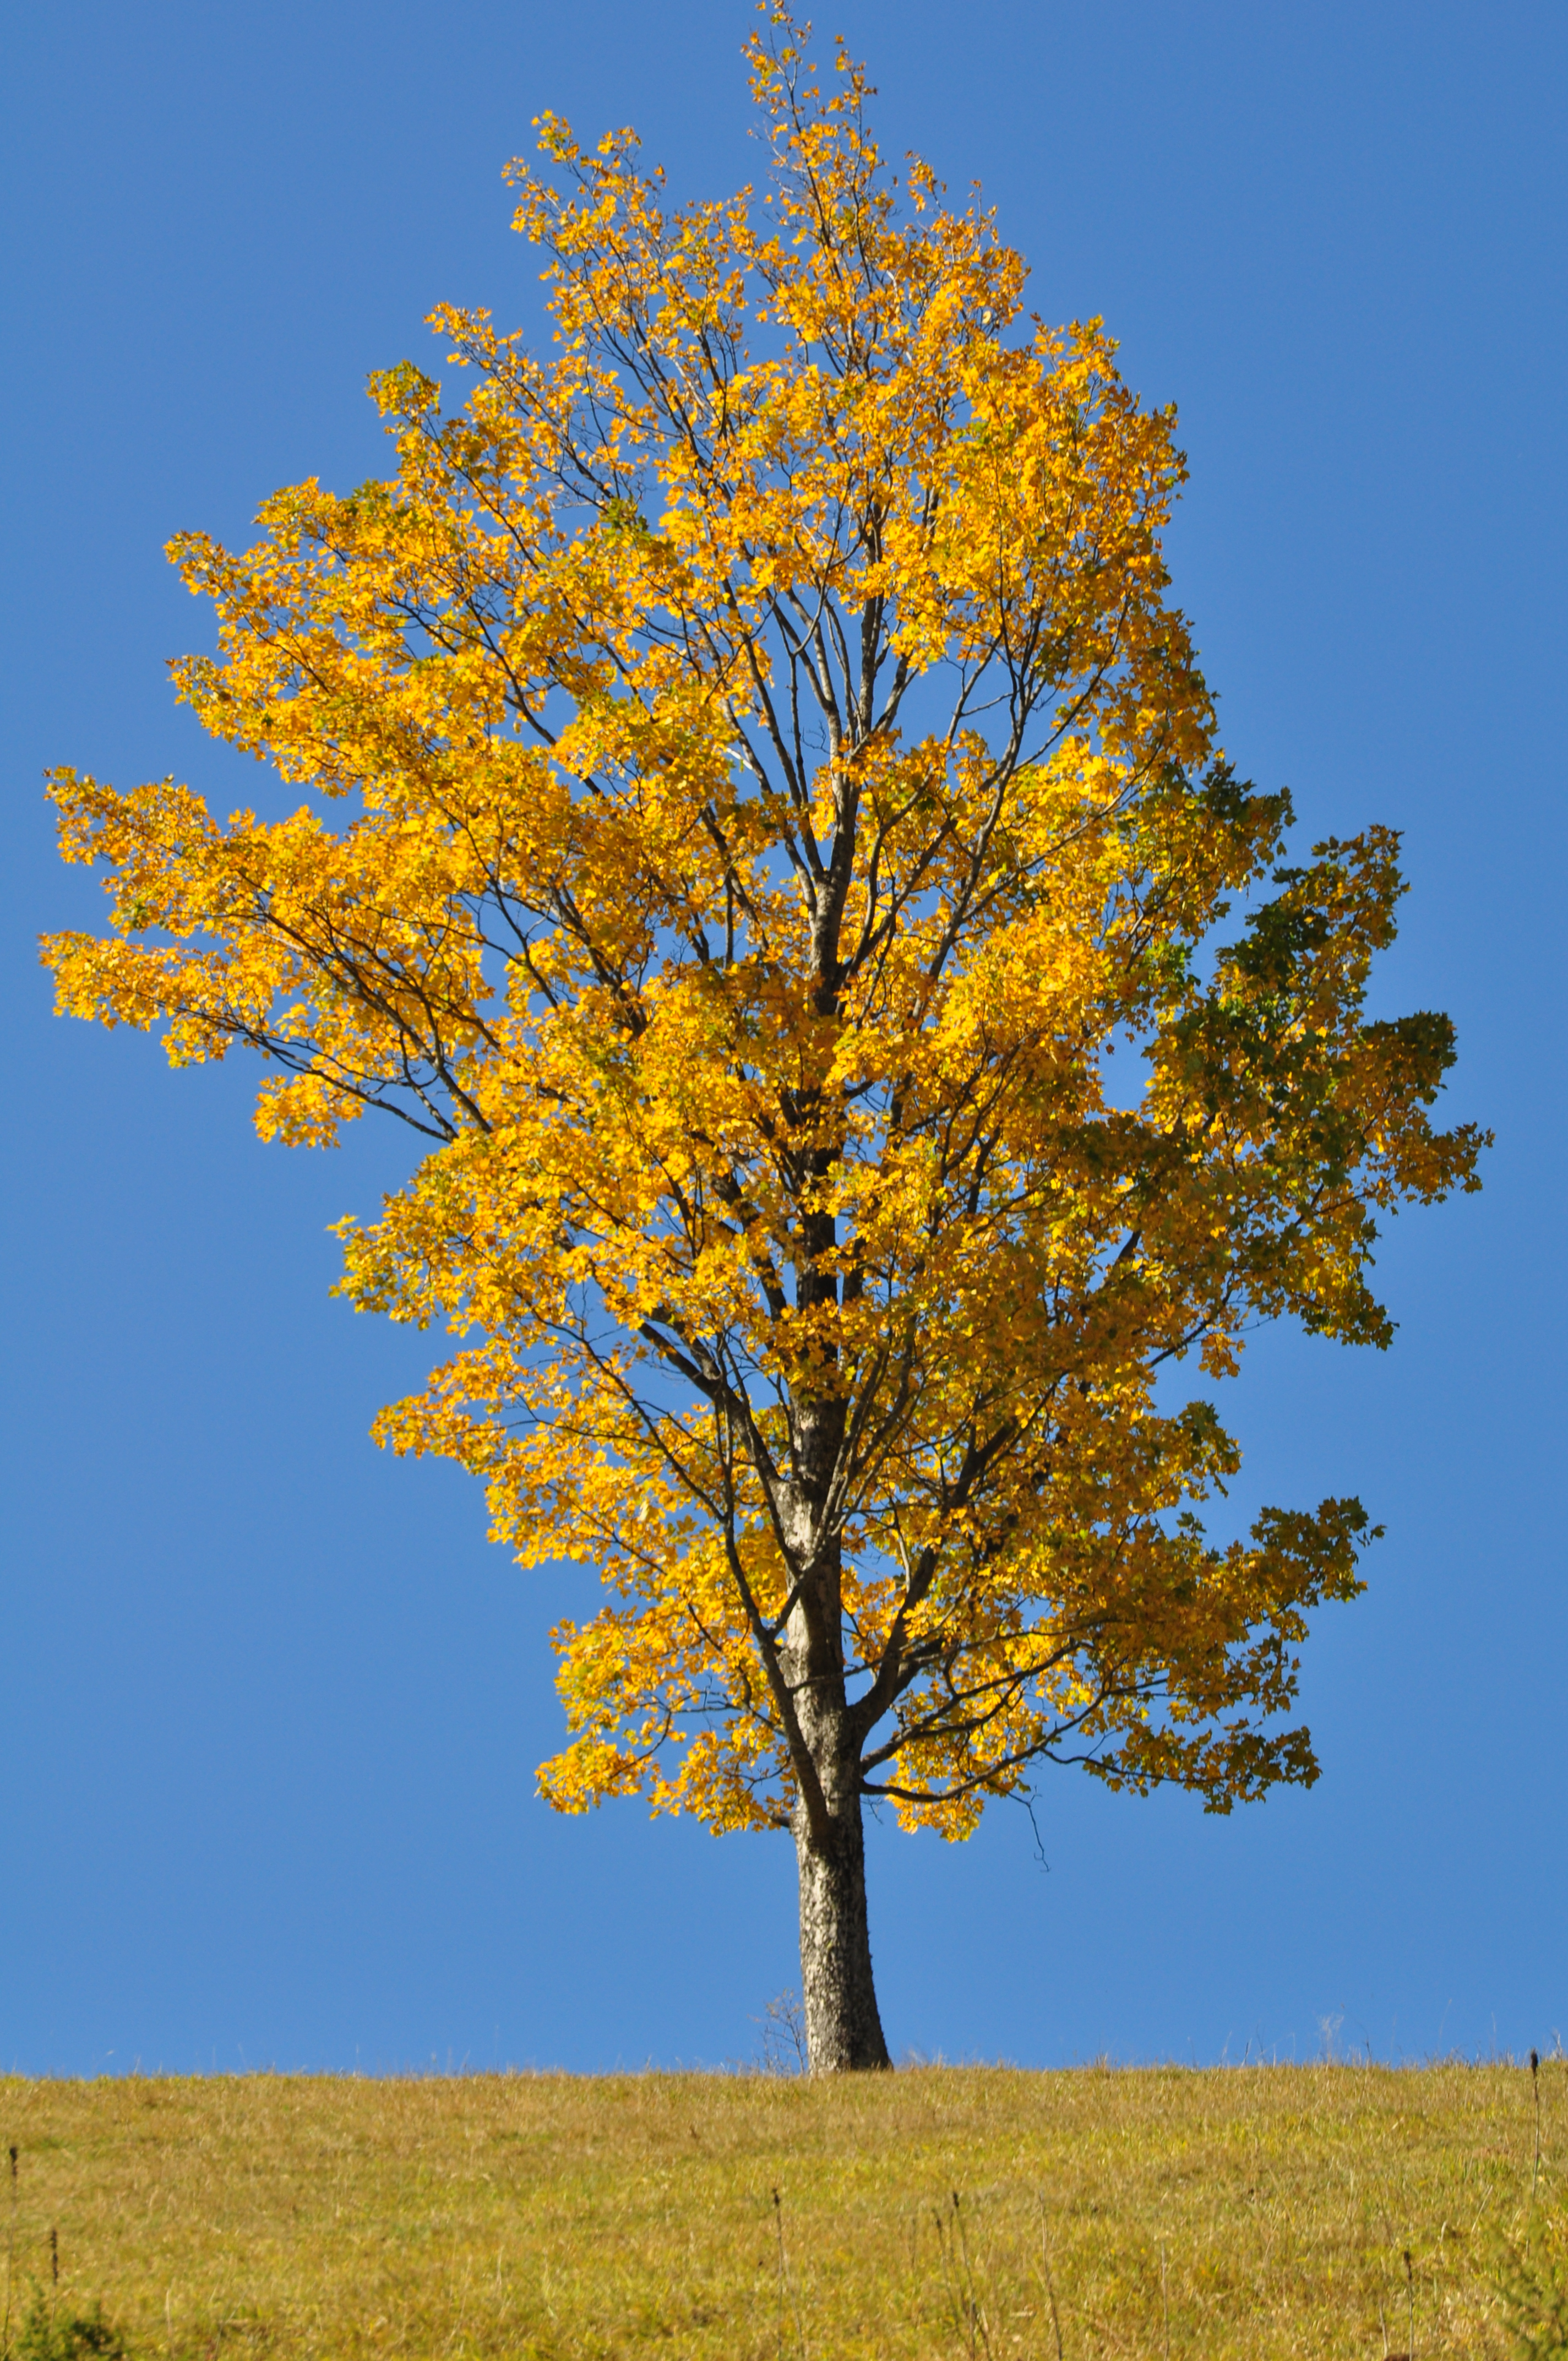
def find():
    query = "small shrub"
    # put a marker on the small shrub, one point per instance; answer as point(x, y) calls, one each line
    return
point(68, 2336)
point(1535, 2304)
point(783, 2029)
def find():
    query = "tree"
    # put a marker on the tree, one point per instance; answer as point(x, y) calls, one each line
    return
point(773, 782)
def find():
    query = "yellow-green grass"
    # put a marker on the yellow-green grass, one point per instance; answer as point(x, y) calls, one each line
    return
point(1256, 2211)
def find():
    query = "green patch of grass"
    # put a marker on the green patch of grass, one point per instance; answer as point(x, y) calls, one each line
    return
point(49, 2335)
point(976, 2213)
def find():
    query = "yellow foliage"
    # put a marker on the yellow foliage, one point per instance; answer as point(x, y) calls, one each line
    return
point(770, 779)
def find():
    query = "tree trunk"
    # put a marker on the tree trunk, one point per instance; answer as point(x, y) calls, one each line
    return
point(843, 2028)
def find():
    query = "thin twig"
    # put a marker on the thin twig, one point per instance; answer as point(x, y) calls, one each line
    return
point(778, 2222)
point(949, 2286)
point(1051, 2283)
point(977, 2317)
point(786, 2293)
point(10, 2257)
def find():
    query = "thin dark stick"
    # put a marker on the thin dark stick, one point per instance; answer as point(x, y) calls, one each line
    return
point(1051, 2283)
point(977, 2317)
point(1410, 2306)
point(1535, 2085)
point(783, 2286)
point(949, 2286)
point(10, 2256)
point(778, 2222)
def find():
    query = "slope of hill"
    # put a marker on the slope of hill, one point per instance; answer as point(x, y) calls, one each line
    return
point(1260, 2211)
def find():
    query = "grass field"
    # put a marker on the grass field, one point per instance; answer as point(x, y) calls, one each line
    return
point(1256, 2210)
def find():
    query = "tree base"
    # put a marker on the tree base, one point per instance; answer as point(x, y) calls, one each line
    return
point(843, 2024)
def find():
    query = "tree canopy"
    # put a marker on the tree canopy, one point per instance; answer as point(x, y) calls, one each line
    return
point(756, 780)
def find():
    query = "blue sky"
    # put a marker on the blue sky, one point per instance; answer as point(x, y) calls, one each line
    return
point(269, 1705)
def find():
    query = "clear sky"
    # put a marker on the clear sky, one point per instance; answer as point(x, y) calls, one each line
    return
point(269, 1704)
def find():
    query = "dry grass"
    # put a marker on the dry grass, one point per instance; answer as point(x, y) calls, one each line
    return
point(545, 2215)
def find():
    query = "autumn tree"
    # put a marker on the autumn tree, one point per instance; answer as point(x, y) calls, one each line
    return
point(756, 777)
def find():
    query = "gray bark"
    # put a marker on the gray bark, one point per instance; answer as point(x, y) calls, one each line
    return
point(843, 2028)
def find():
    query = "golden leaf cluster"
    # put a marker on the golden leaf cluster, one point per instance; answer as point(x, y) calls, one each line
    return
point(754, 779)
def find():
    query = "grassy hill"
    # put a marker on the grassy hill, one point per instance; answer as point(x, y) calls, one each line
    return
point(1257, 2211)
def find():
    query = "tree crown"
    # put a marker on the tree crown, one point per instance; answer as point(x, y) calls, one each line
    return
point(776, 782)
